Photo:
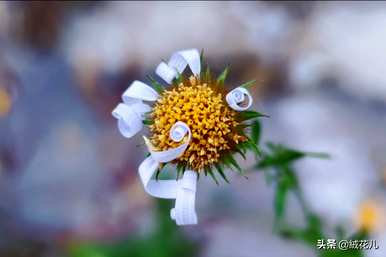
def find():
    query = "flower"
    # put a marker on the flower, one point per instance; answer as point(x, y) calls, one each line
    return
point(195, 123)
point(370, 217)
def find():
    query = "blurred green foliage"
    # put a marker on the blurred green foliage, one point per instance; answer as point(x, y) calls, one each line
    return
point(276, 163)
point(167, 240)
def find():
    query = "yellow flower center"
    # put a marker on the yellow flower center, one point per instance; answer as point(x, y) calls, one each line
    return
point(202, 107)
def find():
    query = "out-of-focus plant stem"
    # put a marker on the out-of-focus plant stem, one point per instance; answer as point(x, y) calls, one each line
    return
point(279, 159)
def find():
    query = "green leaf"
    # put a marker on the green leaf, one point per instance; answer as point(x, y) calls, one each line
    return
point(313, 231)
point(222, 77)
point(221, 172)
point(157, 86)
point(318, 155)
point(279, 202)
point(290, 178)
point(284, 154)
point(256, 131)
point(280, 156)
point(247, 115)
point(248, 84)
point(268, 176)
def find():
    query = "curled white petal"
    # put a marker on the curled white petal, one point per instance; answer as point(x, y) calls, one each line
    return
point(131, 113)
point(183, 190)
point(166, 72)
point(158, 188)
point(178, 131)
point(237, 97)
point(184, 211)
point(140, 108)
point(178, 62)
point(138, 91)
point(181, 59)
point(129, 122)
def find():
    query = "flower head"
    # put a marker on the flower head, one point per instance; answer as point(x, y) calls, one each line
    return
point(195, 123)
point(201, 105)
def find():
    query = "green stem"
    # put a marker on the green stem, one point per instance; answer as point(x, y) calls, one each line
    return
point(303, 204)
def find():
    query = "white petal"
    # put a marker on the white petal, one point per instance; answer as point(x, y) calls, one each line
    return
point(178, 63)
point(190, 57)
point(140, 108)
point(236, 97)
point(184, 211)
point(184, 191)
point(166, 72)
point(177, 132)
point(129, 122)
point(139, 91)
point(158, 188)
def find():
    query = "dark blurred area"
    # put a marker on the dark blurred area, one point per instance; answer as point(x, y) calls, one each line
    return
point(68, 179)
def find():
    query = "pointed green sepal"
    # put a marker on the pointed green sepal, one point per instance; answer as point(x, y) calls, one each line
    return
point(210, 172)
point(148, 122)
point(256, 132)
point(221, 172)
point(179, 78)
point(240, 151)
point(248, 84)
point(232, 163)
point(157, 86)
point(202, 57)
point(207, 74)
point(222, 77)
point(248, 115)
point(157, 174)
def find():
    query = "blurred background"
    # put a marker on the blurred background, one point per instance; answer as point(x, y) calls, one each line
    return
point(68, 179)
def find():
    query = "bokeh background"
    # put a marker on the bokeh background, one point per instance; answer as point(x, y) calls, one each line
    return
point(68, 179)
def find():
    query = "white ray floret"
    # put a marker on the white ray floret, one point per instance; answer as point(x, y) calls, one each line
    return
point(177, 64)
point(239, 99)
point(130, 113)
point(184, 190)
